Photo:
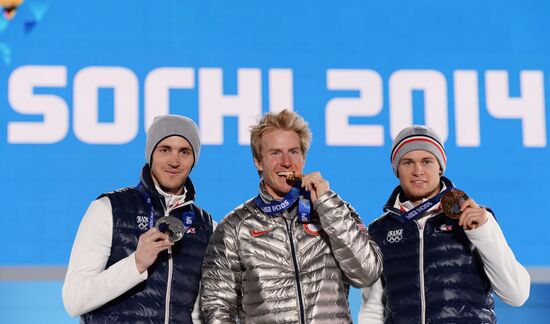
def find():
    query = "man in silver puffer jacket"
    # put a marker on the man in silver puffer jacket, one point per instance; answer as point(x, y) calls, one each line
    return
point(289, 254)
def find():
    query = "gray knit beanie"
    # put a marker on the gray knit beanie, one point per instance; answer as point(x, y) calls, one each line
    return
point(414, 138)
point(169, 125)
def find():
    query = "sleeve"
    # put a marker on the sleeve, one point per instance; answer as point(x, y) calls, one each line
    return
point(509, 279)
point(221, 279)
point(357, 254)
point(372, 307)
point(196, 313)
point(88, 285)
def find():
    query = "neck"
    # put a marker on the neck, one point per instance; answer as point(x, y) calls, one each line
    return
point(270, 192)
point(418, 200)
point(177, 192)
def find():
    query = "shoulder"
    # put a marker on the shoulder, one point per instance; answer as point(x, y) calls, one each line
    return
point(205, 216)
point(127, 199)
point(233, 220)
point(375, 224)
point(120, 191)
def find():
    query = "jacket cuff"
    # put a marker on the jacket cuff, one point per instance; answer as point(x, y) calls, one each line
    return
point(142, 276)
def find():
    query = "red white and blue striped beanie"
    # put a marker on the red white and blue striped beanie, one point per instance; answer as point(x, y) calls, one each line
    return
point(414, 138)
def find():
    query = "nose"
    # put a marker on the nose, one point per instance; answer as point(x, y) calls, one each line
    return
point(286, 162)
point(173, 160)
point(418, 170)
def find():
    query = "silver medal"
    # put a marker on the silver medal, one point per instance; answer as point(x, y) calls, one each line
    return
point(171, 226)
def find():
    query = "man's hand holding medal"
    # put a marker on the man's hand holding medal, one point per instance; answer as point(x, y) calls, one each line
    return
point(313, 182)
point(457, 205)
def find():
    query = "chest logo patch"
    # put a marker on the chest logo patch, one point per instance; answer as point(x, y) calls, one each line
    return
point(256, 233)
point(142, 222)
point(444, 228)
point(311, 229)
point(394, 236)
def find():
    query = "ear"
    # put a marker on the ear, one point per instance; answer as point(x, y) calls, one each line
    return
point(258, 165)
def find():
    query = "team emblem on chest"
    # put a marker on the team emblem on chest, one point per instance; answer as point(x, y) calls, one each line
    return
point(311, 229)
point(142, 222)
point(394, 236)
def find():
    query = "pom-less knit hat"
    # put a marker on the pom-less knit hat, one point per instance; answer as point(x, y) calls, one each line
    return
point(169, 125)
point(414, 138)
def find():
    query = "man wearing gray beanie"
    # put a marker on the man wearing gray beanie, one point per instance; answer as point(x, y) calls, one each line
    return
point(444, 255)
point(137, 256)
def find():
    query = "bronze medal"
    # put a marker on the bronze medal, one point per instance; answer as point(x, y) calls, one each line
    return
point(451, 201)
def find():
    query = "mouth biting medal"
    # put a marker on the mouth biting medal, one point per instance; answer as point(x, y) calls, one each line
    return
point(293, 179)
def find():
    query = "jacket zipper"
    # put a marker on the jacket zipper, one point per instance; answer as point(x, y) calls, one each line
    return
point(169, 282)
point(421, 274)
point(168, 287)
point(296, 271)
point(170, 262)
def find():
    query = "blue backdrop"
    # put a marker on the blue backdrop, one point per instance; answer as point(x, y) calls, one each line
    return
point(81, 80)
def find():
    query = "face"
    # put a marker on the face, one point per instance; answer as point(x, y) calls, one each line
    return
point(419, 175)
point(171, 163)
point(281, 154)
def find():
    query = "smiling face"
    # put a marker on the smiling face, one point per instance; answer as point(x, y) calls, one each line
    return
point(419, 175)
point(172, 161)
point(280, 155)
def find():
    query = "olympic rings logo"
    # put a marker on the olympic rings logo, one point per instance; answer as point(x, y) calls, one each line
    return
point(394, 236)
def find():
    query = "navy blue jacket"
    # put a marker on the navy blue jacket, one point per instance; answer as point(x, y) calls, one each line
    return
point(146, 302)
point(435, 271)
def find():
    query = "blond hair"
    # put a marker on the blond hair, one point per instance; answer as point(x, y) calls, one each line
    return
point(283, 120)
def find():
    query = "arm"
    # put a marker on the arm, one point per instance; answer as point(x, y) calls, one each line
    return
point(221, 278)
point(372, 308)
point(196, 314)
point(88, 285)
point(508, 277)
point(357, 254)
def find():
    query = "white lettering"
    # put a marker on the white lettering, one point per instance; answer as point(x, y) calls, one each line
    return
point(466, 108)
point(529, 107)
point(402, 84)
point(214, 105)
point(157, 90)
point(54, 110)
point(87, 127)
point(338, 110)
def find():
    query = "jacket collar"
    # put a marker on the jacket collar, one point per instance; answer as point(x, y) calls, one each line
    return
point(398, 193)
point(149, 185)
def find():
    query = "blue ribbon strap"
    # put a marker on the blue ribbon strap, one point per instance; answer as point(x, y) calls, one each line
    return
point(423, 207)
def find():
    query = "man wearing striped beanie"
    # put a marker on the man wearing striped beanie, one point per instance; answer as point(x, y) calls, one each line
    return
point(436, 268)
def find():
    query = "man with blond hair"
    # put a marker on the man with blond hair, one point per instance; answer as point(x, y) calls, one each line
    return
point(289, 254)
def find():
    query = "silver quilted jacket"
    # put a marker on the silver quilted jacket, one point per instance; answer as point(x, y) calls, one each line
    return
point(272, 269)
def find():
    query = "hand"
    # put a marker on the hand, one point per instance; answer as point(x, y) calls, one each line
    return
point(472, 215)
point(315, 184)
point(150, 244)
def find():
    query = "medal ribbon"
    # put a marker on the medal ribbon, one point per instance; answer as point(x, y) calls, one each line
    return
point(278, 206)
point(423, 207)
